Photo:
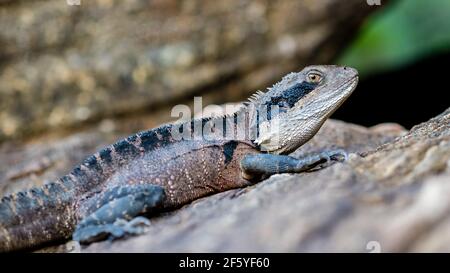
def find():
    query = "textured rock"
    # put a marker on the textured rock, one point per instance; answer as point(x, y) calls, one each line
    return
point(391, 195)
point(392, 198)
point(62, 66)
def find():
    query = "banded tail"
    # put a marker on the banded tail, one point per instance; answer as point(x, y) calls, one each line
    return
point(41, 215)
point(36, 216)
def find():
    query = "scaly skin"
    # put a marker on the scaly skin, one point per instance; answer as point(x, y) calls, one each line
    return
point(152, 171)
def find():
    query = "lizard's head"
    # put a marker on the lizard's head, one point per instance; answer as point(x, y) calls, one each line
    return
point(299, 104)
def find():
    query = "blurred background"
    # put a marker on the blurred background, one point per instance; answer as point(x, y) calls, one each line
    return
point(402, 53)
point(74, 78)
point(66, 66)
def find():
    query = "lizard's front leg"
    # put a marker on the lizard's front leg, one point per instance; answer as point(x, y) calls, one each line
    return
point(116, 211)
point(258, 166)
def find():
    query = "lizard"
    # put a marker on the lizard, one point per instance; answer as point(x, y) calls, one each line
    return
point(153, 171)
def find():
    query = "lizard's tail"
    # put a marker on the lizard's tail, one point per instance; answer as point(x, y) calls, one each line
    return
point(36, 216)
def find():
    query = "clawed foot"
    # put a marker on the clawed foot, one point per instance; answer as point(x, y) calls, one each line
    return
point(338, 155)
point(119, 229)
point(331, 157)
point(136, 226)
point(115, 207)
point(260, 166)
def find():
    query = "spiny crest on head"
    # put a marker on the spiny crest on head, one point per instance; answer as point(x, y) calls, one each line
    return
point(284, 81)
point(256, 97)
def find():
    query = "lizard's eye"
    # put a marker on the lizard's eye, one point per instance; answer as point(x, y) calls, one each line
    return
point(314, 77)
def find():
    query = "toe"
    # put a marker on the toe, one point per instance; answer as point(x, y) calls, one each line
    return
point(339, 155)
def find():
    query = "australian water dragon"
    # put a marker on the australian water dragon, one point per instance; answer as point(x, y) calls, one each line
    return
point(156, 170)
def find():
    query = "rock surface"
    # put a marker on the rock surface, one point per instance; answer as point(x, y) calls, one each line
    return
point(391, 195)
point(388, 197)
point(62, 66)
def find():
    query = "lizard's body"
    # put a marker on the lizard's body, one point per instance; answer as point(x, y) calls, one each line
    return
point(153, 171)
point(190, 171)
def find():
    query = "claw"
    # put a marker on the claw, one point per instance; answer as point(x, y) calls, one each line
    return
point(138, 225)
point(338, 155)
point(119, 229)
